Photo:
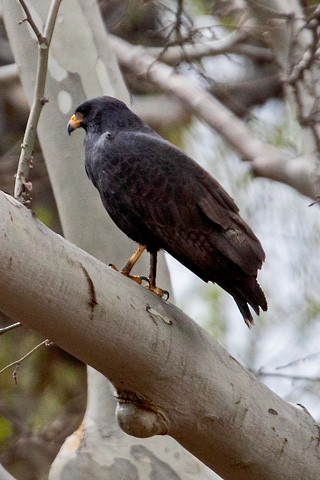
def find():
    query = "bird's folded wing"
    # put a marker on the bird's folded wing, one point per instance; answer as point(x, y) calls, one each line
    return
point(189, 211)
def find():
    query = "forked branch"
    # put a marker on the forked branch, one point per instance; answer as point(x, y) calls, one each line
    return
point(22, 184)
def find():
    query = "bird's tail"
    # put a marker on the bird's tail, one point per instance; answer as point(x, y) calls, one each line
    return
point(248, 293)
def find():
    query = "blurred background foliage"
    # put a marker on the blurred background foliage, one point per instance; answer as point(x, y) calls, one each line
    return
point(48, 401)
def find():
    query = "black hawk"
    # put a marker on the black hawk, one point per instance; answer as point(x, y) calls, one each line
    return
point(162, 199)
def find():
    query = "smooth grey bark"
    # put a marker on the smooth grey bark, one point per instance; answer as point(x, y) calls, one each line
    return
point(171, 376)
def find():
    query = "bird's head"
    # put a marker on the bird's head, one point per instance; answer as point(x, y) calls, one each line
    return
point(103, 113)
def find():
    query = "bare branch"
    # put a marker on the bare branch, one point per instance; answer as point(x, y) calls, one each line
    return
point(303, 73)
point(306, 378)
point(230, 43)
point(22, 184)
point(198, 100)
point(17, 363)
point(267, 161)
point(29, 19)
point(299, 360)
point(294, 40)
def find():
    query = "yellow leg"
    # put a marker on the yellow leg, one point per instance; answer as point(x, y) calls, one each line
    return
point(152, 277)
point(130, 264)
point(152, 274)
point(133, 260)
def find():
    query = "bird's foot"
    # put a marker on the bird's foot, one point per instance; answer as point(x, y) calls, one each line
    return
point(135, 278)
point(158, 291)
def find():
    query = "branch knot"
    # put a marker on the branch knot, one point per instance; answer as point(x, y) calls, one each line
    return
point(139, 418)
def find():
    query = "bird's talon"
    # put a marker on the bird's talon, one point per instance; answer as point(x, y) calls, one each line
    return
point(158, 291)
point(135, 278)
point(145, 279)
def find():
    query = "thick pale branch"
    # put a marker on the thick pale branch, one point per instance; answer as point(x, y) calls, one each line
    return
point(301, 173)
point(267, 161)
point(174, 377)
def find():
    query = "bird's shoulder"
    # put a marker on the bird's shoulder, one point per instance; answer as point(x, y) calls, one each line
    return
point(182, 179)
point(141, 142)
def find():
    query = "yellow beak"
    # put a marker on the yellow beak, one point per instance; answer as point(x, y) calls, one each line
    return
point(74, 122)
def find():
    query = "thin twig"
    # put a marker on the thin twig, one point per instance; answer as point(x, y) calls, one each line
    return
point(316, 200)
point(285, 375)
point(17, 363)
point(10, 327)
point(22, 184)
point(299, 360)
point(231, 43)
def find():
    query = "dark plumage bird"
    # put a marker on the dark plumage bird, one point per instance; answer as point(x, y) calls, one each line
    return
point(162, 199)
